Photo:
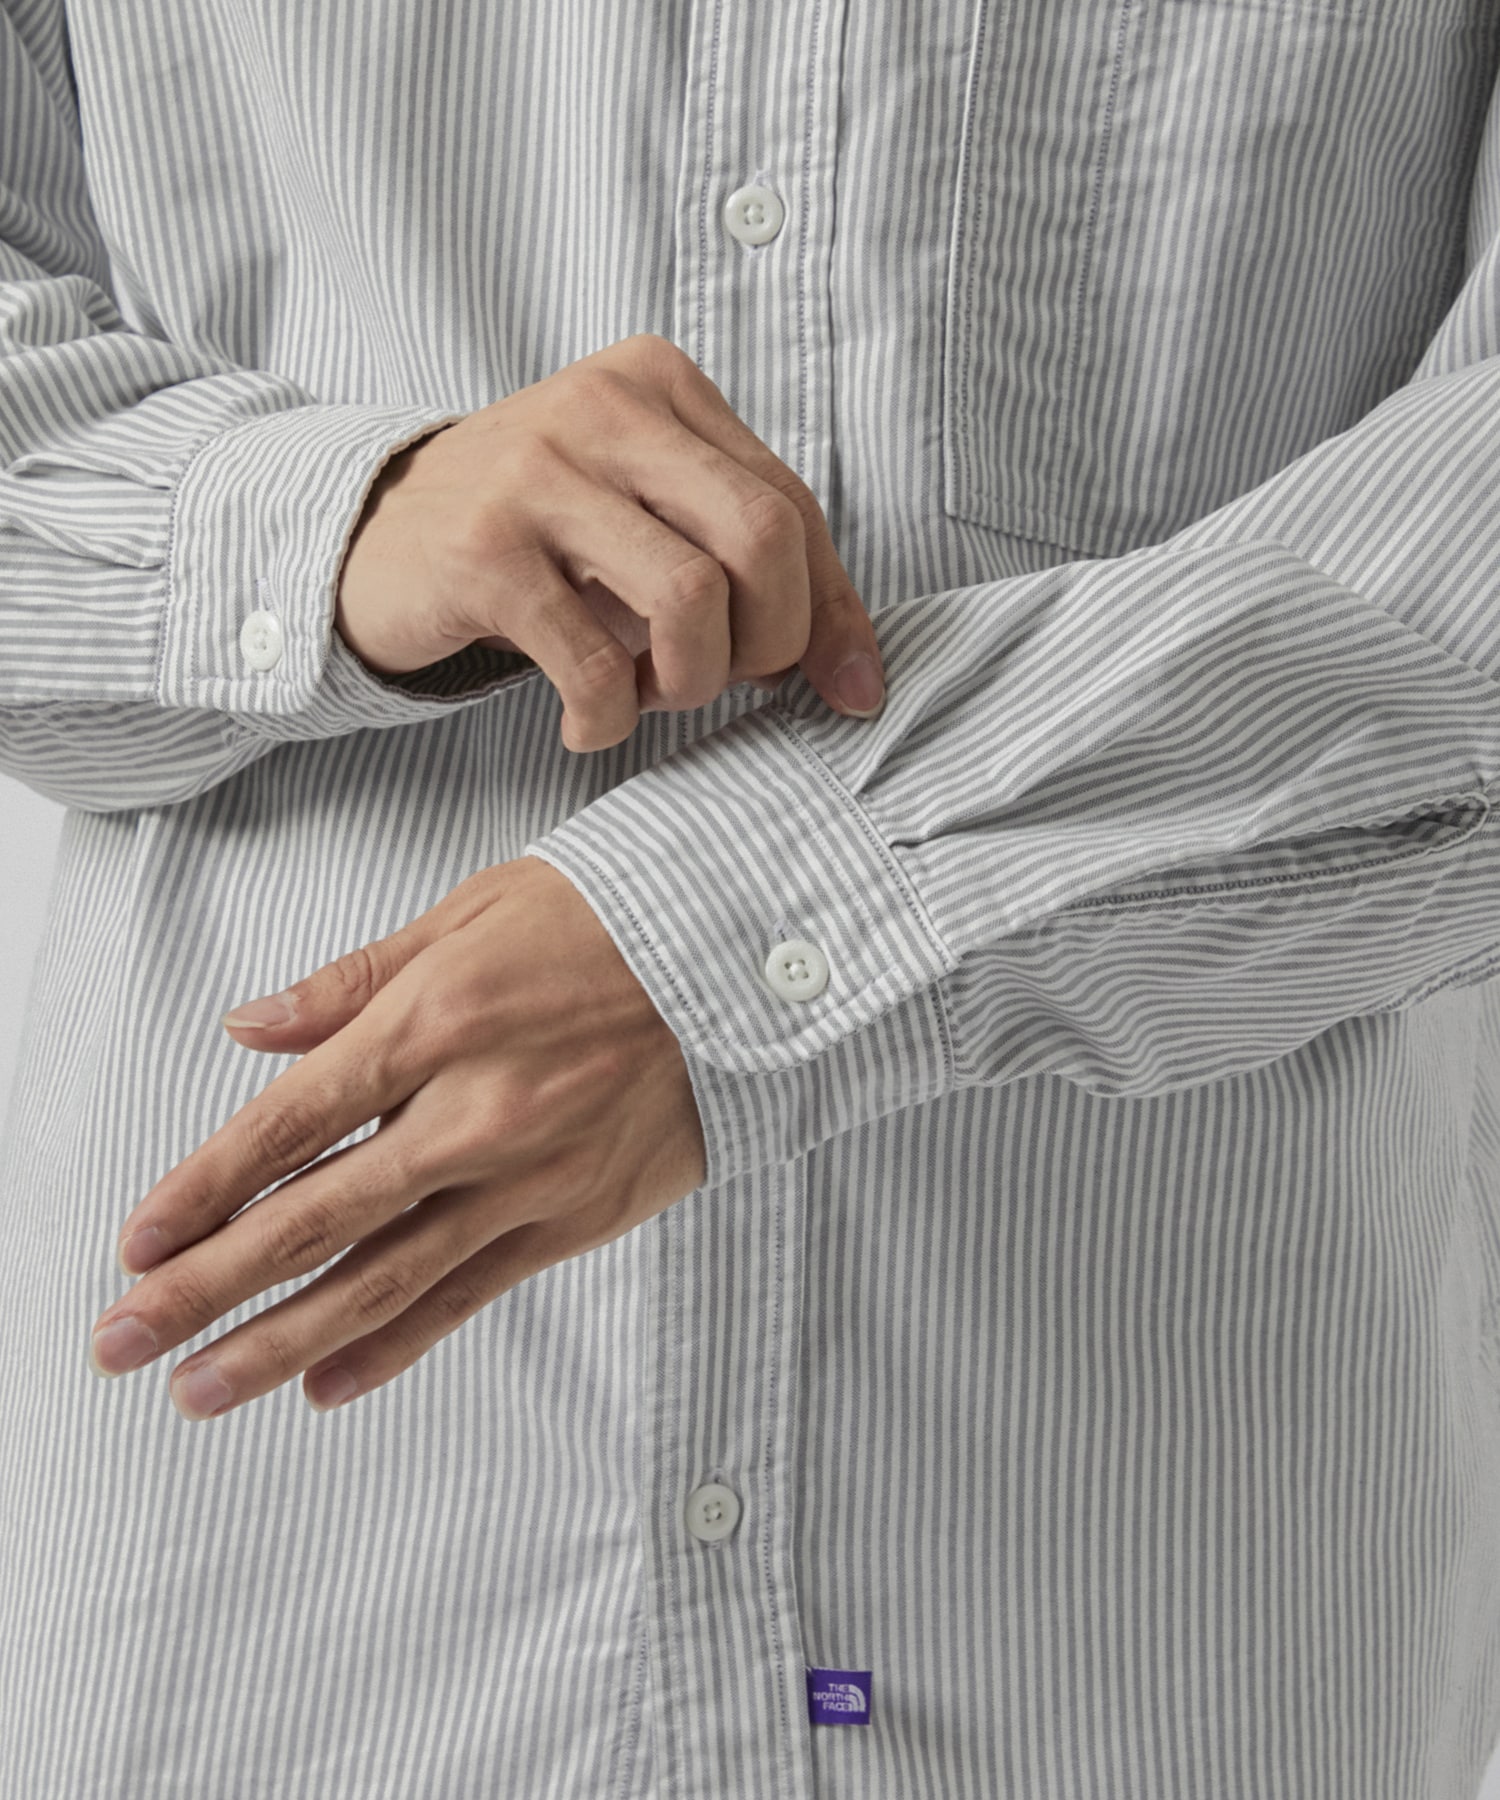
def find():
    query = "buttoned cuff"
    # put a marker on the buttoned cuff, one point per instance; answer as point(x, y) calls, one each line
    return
point(904, 1059)
point(261, 518)
point(711, 870)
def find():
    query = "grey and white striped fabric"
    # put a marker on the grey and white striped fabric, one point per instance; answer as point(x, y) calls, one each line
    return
point(1094, 1302)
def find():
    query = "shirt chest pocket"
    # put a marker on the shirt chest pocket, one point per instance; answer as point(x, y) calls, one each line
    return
point(1191, 239)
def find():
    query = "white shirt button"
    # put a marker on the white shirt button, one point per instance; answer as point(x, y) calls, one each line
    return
point(712, 1511)
point(797, 970)
point(754, 214)
point(260, 640)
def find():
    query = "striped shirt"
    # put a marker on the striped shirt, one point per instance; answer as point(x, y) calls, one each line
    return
point(1092, 1309)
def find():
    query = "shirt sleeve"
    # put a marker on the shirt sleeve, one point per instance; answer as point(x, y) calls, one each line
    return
point(171, 526)
point(1141, 823)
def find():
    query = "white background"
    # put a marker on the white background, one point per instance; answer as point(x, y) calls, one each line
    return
point(28, 831)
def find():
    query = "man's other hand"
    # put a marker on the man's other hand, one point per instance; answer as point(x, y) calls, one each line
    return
point(533, 1104)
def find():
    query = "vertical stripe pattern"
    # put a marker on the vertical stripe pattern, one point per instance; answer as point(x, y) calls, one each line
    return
point(1094, 1301)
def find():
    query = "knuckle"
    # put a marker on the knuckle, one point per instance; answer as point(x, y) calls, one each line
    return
point(475, 540)
point(441, 981)
point(604, 668)
point(185, 1295)
point(696, 583)
point(783, 642)
point(403, 1159)
point(790, 653)
point(517, 1108)
point(470, 1150)
point(487, 1126)
point(357, 972)
point(379, 1292)
point(606, 1216)
point(455, 1300)
point(535, 468)
point(512, 594)
point(435, 1022)
point(656, 357)
point(298, 1238)
point(473, 893)
point(605, 394)
point(800, 496)
point(283, 1134)
point(277, 1352)
point(392, 1059)
point(611, 1065)
point(769, 520)
point(490, 541)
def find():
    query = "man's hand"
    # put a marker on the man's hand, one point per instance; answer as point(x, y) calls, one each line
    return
point(533, 1104)
point(622, 526)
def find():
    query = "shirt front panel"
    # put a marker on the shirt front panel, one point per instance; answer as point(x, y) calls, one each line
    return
point(1051, 1411)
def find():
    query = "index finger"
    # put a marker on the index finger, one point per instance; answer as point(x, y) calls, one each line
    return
point(339, 1085)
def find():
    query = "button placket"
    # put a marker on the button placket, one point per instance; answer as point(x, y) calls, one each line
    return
point(724, 1629)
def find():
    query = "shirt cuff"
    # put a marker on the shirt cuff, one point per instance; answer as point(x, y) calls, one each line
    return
point(725, 856)
point(905, 1059)
point(261, 519)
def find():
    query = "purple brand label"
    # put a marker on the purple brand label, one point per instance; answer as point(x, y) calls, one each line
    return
point(838, 1696)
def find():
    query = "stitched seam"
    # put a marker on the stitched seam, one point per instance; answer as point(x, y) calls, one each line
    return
point(767, 1559)
point(618, 895)
point(710, 105)
point(718, 1094)
point(723, 1082)
point(961, 258)
point(1065, 443)
point(1466, 975)
point(1050, 525)
point(671, 1338)
point(1165, 896)
point(173, 509)
point(804, 373)
point(625, 1758)
point(813, 825)
point(947, 1039)
point(852, 810)
point(1358, 10)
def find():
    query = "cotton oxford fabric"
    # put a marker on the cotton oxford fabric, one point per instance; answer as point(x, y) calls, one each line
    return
point(1094, 1299)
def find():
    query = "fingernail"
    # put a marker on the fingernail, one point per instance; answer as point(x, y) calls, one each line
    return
point(330, 1388)
point(275, 1010)
point(122, 1344)
point(142, 1250)
point(858, 685)
point(201, 1393)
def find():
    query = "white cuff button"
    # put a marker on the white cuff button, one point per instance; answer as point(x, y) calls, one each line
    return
point(797, 970)
point(754, 214)
point(712, 1511)
point(260, 640)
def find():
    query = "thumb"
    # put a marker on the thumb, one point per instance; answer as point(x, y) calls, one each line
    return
point(842, 659)
point(310, 1010)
